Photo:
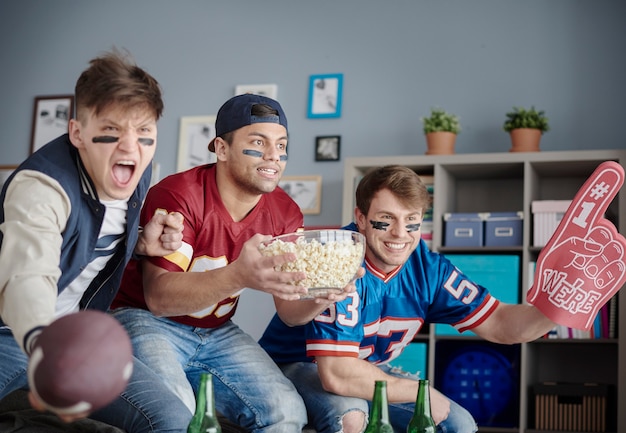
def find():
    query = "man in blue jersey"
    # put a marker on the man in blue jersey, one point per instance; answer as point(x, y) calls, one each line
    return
point(335, 359)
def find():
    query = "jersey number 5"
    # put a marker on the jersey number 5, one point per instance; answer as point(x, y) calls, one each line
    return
point(462, 290)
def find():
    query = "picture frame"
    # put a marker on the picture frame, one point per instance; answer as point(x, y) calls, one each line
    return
point(269, 90)
point(5, 172)
point(325, 95)
point(306, 191)
point(195, 133)
point(51, 116)
point(328, 148)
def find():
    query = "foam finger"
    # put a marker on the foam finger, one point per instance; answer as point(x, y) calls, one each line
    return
point(590, 203)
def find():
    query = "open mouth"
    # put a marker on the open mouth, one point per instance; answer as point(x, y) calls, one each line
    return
point(123, 171)
point(395, 246)
point(269, 171)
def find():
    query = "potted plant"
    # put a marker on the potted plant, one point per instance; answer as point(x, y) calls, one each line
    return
point(525, 128)
point(441, 129)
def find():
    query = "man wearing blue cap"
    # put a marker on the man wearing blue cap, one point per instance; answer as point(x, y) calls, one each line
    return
point(177, 309)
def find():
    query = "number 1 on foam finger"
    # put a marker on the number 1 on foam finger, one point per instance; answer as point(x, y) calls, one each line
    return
point(581, 219)
point(590, 203)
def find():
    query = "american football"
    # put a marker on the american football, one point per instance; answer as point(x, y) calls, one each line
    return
point(80, 362)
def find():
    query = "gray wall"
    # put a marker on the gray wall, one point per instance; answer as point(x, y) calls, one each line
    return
point(400, 57)
point(475, 58)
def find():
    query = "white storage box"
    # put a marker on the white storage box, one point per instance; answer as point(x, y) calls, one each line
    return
point(547, 214)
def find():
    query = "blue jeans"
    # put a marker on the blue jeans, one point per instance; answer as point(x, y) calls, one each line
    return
point(326, 409)
point(146, 406)
point(250, 390)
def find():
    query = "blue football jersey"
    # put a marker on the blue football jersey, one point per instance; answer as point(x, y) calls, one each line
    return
point(385, 313)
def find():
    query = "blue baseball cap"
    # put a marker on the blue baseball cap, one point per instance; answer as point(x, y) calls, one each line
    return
point(237, 113)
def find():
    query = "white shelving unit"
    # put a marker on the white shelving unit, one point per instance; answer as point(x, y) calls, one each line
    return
point(502, 182)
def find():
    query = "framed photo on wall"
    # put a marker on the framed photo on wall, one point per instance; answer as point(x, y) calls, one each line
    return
point(193, 142)
point(327, 148)
point(304, 190)
point(269, 90)
point(51, 118)
point(325, 95)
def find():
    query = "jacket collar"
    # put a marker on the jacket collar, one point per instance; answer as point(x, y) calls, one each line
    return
point(85, 181)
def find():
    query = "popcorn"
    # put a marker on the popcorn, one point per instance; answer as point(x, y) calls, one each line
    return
point(330, 258)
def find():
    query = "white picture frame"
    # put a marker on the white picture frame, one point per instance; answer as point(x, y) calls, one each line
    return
point(269, 90)
point(193, 142)
point(306, 191)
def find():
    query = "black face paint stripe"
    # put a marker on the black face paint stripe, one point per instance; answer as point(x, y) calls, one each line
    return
point(251, 152)
point(413, 227)
point(379, 225)
point(258, 154)
point(105, 139)
point(146, 141)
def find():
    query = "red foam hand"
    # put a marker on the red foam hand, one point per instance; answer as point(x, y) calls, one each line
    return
point(583, 264)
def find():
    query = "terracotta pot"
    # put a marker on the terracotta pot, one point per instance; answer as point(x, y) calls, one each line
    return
point(440, 143)
point(525, 140)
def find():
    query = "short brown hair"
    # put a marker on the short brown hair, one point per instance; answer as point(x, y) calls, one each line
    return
point(403, 183)
point(114, 78)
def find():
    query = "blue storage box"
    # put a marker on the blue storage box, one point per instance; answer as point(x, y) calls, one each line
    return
point(500, 274)
point(463, 229)
point(503, 229)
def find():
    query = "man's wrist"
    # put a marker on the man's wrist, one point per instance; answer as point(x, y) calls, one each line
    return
point(140, 247)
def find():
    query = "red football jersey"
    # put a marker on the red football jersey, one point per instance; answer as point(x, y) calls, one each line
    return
point(211, 239)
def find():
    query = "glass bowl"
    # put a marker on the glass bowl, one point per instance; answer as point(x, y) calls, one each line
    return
point(330, 258)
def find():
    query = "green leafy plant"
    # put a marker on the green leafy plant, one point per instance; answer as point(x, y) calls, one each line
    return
point(522, 118)
point(440, 120)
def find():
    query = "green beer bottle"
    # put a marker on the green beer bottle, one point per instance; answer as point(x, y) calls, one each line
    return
point(422, 420)
point(205, 418)
point(379, 411)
